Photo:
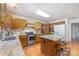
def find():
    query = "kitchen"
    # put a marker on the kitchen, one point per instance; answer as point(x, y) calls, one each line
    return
point(25, 33)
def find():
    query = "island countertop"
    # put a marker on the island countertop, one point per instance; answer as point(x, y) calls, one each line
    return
point(52, 37)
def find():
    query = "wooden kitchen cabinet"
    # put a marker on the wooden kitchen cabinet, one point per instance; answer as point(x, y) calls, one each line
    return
point(37, 25)
point(49, 48)
point(11, 23)
point(23, 40)
point(6, 20)
point(37, 38)
point(45, 29)
point(19, 23)
point(51, 28)
point(5, 17)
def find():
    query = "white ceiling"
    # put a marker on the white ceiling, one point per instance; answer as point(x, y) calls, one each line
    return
point(56, 10)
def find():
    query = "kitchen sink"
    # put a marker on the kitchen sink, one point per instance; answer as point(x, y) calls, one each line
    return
point(9, 38)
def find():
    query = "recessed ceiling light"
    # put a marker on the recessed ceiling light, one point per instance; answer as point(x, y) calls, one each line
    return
point(42, 13)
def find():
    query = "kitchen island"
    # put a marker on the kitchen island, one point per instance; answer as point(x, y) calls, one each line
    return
point(50, 45)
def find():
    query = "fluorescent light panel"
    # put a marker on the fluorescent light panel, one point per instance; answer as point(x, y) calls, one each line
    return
point(42, 13)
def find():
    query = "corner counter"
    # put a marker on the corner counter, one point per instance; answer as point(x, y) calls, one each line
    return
point(11, 47)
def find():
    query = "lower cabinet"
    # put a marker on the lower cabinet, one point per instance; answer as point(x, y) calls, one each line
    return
point(23, 40)
point(48, 47)
point(37, 38)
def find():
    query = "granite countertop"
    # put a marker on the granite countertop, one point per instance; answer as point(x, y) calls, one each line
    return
point(11, 48)
point(52, 37)
point(22, 34)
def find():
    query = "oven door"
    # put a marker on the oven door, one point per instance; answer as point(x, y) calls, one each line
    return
point(31, 40)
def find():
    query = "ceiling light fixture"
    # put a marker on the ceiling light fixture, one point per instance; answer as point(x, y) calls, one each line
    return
point(42, 13)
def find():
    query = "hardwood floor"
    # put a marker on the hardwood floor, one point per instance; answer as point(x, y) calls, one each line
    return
point(75, 49)
point(34, 50)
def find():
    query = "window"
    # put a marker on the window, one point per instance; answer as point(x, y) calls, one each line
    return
point(59, 29)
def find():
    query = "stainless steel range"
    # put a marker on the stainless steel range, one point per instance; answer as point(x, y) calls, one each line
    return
point(31, 38)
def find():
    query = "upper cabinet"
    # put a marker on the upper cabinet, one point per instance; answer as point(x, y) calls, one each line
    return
point(19, 23)
point(47, 29)
point(37, 25)
point(6, 20)
point(51, 28)
point(16, 23)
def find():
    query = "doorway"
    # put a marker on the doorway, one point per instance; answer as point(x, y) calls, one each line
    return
point(75, 39)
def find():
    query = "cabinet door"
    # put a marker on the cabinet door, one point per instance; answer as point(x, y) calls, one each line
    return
point(19, 23)
point(37, 25)
point(44, 47)
point(7, 20)
point(37, 38)
point(23, 40)
point(45, 29)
